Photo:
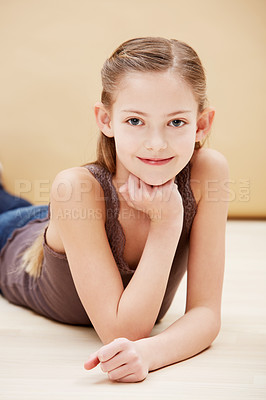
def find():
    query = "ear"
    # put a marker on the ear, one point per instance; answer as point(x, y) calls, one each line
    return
point(103, 119)
point(204, 123)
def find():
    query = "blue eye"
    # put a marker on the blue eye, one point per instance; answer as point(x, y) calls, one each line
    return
point(178, 123)
point(134, 120)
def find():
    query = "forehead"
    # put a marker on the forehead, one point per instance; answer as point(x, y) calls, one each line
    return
point(153, 89)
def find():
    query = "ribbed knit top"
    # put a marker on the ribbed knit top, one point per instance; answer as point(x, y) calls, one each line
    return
point(53, 294)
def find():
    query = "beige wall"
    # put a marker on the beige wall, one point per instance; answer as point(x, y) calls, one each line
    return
point(51, 55)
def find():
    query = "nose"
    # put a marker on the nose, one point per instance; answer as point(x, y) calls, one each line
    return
point(155, 142)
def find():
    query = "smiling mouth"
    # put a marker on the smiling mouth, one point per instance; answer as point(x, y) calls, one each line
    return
point(155, 161)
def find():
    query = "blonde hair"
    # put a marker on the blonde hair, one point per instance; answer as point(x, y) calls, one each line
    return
point(32, 258)
point(144, 54)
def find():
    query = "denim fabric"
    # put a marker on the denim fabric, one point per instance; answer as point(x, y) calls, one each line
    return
point(10, 202)
point(15, 213)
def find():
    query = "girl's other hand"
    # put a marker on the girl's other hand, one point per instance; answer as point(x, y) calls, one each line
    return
point(160, 203)
point(122, 359)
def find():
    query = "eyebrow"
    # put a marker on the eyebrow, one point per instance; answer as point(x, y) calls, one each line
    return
point(168, 115)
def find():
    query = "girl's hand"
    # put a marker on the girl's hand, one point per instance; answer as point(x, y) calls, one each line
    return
point(123, 360)
point(161, 203)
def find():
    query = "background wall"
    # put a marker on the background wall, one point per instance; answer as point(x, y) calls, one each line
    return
point(52, 52)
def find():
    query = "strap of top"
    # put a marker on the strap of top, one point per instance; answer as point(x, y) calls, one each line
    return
point(189, 203)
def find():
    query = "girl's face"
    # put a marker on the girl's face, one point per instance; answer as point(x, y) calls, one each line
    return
point(154, 116)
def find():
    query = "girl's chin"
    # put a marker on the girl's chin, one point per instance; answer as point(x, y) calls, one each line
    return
point(155, 182)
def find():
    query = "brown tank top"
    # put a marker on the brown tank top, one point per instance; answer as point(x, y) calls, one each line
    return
point(53, 294)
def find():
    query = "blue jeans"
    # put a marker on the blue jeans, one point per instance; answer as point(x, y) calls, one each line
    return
point(16, 212)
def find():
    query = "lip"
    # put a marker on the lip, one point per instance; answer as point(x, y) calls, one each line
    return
point(155, 161)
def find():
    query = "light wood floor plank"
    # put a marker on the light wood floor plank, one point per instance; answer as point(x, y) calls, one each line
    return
point(41, 359)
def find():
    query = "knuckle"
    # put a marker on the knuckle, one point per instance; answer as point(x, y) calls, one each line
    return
point(141, 376)
point(123, 342)
point(134, 357)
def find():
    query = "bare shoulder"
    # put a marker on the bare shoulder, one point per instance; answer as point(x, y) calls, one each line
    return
point(208, 167)
point(76, 173)
point(75, 192)
point(206, 161)
point(77, 183)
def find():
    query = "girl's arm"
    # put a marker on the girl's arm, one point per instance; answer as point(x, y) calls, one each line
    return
point(113, 311)
point(200, 325)
point(141, 300)
point(197, 329)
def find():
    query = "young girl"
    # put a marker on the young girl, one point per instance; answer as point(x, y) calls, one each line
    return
point(118, 235)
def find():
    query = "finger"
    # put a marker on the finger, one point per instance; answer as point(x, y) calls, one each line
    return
point(120, 372)
point(146, 189)
point(120, 359)
point(92, 362)
point(123, 188)
point(111, 349)
point(136, 181)
point(131, 187)
point(167, 189)
point(128, 378)
point(156, 193)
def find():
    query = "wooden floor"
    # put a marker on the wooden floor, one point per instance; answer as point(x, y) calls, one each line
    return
point(41, 359)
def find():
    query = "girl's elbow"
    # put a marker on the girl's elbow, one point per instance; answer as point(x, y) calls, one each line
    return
point(215, 329)
point(133, 336)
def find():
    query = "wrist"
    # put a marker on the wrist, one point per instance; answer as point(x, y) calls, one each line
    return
point(171, 222)
point(150, 352)
point(144, 350)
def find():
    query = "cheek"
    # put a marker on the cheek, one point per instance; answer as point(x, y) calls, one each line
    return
point(125, 143)
point(184, 147)
point(184, 142)
point(189, 148)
